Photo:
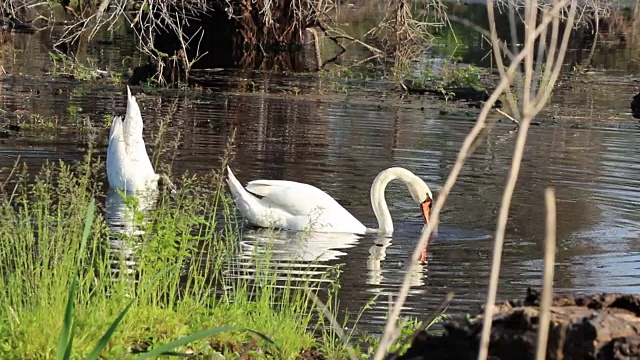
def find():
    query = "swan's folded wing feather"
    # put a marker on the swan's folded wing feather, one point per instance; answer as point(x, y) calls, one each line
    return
point(296, 198)
point(116, 127)
point(266, 187)
point(116, 153)
point(116, 147)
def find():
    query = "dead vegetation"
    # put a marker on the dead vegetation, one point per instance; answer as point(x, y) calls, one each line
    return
point(179, 33)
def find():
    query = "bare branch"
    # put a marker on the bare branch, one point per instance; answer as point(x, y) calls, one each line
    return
point(530, 109)
point(549, 263)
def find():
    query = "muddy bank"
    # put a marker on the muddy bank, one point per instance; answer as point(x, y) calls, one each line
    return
point(605, 326)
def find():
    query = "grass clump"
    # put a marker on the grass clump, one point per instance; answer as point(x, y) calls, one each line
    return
point(67, 67)
point(449, 73)
point(163, 256)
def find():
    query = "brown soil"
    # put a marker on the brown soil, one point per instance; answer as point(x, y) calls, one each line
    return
point(605, 326)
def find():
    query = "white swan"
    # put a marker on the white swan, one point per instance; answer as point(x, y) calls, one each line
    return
point(296, 206)
point(128, 165)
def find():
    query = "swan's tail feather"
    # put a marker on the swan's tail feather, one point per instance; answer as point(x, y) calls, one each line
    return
point(133, 119)
point(131, 100)
point(246, 203)
point(136, 148)
point(235, 186)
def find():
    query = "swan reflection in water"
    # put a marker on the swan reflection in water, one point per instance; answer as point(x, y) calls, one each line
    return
point(292, 256)
point(376, 273)
point(296, 246)
point(125, 227)
point(309, 255)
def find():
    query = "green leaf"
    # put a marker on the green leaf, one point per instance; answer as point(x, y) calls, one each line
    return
point(67, 352)
point(88, 221)
point(104, 340)
point(168, 347)
point(64, 341)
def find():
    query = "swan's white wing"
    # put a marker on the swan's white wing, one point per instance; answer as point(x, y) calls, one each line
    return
point(296, 198)
point(291, 205)
point(116, 154)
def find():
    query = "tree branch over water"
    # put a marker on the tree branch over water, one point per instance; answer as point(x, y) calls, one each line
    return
point(531, 105)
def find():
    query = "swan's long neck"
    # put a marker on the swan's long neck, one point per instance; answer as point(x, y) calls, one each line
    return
point(378, 201)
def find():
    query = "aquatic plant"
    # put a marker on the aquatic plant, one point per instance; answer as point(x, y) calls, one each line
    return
point(449, 73)
point(65, 66)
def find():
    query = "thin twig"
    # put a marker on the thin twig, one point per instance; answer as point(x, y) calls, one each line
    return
point(541, 99)
point(508, 116)
point(434, 219)
point(530, 108)
point(343, 35)
point(439, 310)
point(363, 61)
point(334, 323)
point(13, 169)
point(498, 57)
point(463, 154)
point(316, 47)
point(486, 33)
point(549, 263)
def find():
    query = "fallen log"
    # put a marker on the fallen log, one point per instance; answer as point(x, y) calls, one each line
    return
point(604, 326)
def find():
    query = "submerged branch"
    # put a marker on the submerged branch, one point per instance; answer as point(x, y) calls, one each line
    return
point(549, 263)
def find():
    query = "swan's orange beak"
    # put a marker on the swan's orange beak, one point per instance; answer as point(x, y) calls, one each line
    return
point(426, 212)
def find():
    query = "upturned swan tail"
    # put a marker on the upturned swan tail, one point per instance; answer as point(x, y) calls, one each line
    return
point(243, 199)
point(133, 121)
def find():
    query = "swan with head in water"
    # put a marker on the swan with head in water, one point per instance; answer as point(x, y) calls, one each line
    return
point(296, 206)
point(128, 165)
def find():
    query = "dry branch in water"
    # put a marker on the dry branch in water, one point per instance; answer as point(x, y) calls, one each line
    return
point(531, 103)
point(549, 263)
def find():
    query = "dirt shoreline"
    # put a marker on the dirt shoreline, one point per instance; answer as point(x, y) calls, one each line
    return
point(603, 326)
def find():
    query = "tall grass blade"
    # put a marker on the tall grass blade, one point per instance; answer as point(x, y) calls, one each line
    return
point(67, 352)
point(104, 340)
point(65, 333)
point(88, 221)
point(267, 339)
point(168, 347)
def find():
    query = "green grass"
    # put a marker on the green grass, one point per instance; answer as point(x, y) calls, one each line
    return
point(169, 289)
point(65, 66)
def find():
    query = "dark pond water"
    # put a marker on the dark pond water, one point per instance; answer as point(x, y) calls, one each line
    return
point(586, 147)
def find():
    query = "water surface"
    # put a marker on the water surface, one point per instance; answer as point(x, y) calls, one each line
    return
point(585, 147)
